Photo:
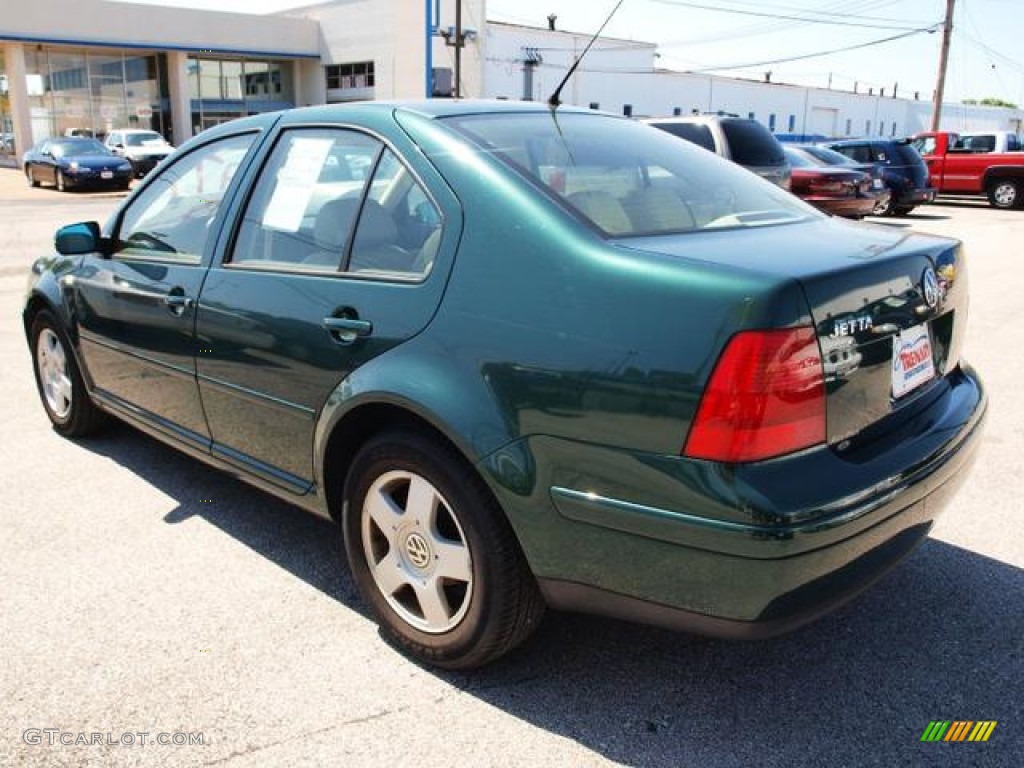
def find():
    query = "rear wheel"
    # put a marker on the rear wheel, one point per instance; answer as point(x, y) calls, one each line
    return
point(433, 555)
point(1004, 193)
point(30, 176)
point(883, 207)
point(60, 383)
point(62, 185)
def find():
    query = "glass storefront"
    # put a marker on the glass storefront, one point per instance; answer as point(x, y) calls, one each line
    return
point(223, 89)
point(90, 92)
point(6, 127)
point(86, 93)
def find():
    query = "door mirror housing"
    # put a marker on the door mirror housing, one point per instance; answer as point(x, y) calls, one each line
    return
point(77, 239)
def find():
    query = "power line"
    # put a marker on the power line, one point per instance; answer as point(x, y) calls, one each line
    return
point(822, 53)
point(784, 17)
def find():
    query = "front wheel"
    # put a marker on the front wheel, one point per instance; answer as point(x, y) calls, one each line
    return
point(433, 555)
point(62, 185)
point(1004, 193)
point(60, 383)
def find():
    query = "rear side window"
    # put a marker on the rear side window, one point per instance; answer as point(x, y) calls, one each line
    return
point(697, 133)
point(334, 200)
point(750, 143)
point(858, 152)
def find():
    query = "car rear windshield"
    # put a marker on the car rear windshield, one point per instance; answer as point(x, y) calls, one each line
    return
point(828, 156)
point(695, 132)
point(627, 178)
point(750, 143)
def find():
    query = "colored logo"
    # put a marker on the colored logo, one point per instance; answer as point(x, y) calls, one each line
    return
point(958, 730)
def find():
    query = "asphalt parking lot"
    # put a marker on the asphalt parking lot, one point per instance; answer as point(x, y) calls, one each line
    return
point(143, 593)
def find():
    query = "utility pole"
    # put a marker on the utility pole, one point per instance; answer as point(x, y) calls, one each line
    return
point(940, 84)
point(459, 43)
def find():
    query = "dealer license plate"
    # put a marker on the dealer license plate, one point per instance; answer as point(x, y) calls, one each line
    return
point(912, 361)
point(106, 174)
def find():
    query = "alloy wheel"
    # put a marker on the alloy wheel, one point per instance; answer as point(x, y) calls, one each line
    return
point(52, 363)
point(416, 552)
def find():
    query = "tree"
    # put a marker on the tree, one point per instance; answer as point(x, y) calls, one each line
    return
point(989, 101)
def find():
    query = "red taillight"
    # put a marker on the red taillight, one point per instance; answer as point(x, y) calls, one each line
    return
point(765, 398)
point(828, 186)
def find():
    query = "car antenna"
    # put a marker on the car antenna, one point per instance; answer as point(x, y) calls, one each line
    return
point(553, 99)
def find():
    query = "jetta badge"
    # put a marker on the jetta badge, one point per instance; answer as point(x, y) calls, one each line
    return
point(930, 287)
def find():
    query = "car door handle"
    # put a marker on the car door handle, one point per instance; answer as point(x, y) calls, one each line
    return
point(177, 302)
point(347, 329)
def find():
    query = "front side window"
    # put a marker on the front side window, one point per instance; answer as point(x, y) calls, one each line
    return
point(334, 200)
point(172, 218)
point(627, 179)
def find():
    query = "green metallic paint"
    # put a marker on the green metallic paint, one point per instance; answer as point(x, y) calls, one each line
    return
point(568, 368)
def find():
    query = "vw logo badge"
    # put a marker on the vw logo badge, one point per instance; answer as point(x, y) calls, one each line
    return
point(417, 550)
point(930, 287)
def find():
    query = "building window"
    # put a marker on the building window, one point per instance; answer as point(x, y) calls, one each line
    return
point(893, 127)
point(881, 128)
point(751, 115)
point(771, 122)
point(349, 76)
point(849, 126)
point(595, 105)
point(627, 110)
point(792, 123)
point(867, 127)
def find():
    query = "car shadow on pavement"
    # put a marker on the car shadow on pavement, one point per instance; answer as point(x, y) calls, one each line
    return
point(298, 541)
point(939, 638)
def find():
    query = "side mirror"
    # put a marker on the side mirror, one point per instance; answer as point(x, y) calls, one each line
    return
point(76, 239)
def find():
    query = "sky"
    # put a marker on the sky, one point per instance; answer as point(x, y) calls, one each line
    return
point(747, 38)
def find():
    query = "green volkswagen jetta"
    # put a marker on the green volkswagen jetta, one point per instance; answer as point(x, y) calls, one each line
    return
point(526, 357)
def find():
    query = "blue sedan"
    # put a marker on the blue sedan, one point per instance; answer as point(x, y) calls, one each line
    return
point(75, 162)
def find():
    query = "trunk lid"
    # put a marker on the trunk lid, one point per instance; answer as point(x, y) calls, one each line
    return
point(887, 306)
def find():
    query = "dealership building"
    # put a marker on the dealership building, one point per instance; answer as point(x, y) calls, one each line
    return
point(93, 65)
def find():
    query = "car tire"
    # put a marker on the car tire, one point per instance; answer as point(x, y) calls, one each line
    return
point(59, 381)
point(61, 183)
point(30, 176)
point(1004, 193)
point(433, 555)
point(883, 207)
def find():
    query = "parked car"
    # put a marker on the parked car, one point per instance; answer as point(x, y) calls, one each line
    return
point(528, 358)
point(839, 190)
point(904, 172)
point(143, 149)
point(829, 157)
point(740, 139)
point(958, 169)
point(73, 163)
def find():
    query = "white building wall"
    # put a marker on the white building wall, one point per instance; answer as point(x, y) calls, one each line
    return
point(393, 35)
point(617, 73)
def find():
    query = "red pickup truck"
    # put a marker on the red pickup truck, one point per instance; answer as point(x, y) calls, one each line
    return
point(956, 170)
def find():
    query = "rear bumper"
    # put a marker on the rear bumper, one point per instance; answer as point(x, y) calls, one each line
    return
point(844, 206)
point(743, 568)
point(914, 196)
